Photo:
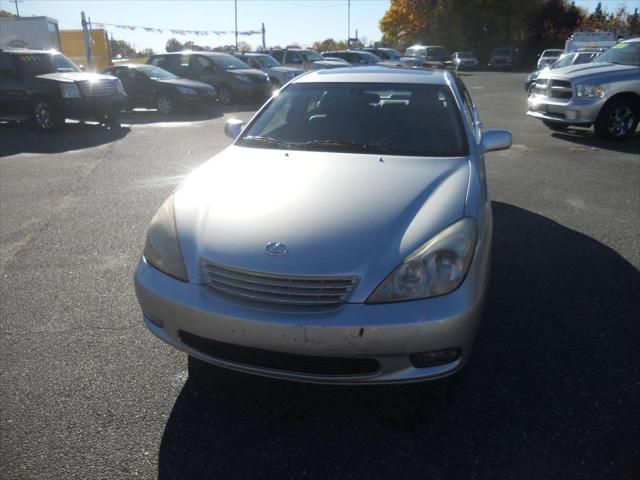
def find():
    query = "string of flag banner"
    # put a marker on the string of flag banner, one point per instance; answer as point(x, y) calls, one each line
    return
point(198, 33)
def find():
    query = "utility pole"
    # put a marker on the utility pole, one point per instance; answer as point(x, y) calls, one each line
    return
point(236, 30)
point(17, 9)
point(349, 23)
point(87, 40)
point(264, 45)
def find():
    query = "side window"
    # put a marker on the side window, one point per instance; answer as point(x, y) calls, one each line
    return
point(159, 62)
point(295, 58)
point(184, 61)
point(277, 55)
point(173, 63)
point(7, 68)
point(251, 62)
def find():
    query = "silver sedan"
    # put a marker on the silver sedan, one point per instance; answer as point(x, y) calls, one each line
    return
point(344, 237)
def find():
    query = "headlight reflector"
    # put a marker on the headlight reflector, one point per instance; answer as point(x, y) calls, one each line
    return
point(70, 90)
point(162, 249)
point(586, 90)
point(436, 268)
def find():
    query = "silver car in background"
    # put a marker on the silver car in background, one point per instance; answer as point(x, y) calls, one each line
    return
point(278, 74)
point(344, 237)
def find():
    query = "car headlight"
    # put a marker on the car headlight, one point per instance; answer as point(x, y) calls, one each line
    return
point(437, 267)
point(69, 90)
point(243, 78)
point(586, 90)
point(162, 249)
point(119, 87)
point(187, 91)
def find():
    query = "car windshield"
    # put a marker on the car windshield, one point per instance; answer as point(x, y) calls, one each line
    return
point(310, 56)
point(551, 53)
point(465, 54)
point(41, 63)
point(388, 53)
point(502, 51)
point(155, 73)
point(625, 53)
point(563, 61)
point(438, 52)
point(414, 51)
point(395, 119)
point(368, 57)
point(228, 62)
point(267, 61)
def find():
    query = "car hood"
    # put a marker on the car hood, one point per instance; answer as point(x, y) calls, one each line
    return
point(328, 64)
point(249, 72)
point(75, 76)
point(576, 72)
point(338, 213)
point(183, 82)
point(287, 69)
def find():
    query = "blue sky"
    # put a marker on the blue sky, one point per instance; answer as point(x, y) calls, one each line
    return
point(286, 21)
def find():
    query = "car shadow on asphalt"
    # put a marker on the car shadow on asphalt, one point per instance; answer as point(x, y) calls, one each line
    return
point(587, 138)
point(19, 138)
point(550, 392)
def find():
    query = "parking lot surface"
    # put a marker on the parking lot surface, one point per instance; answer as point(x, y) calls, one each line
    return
point(552, 391)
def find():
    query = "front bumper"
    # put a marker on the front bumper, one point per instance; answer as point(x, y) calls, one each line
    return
point(386, 333)
point(253, 90)
point(92, 107)
point(577, 111)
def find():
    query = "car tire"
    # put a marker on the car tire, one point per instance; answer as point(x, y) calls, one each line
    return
point(45, 116)
point(225, 94)
point(164, 105)
point(555, 126)
point(618, 119)
point(112, 120)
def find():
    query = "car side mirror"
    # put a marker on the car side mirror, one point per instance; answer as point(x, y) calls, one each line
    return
point(494, 139)
point(233, 128)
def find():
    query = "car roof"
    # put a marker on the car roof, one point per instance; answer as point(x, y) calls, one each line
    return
point(192, 52)
point(253, 54)
point(28, 51)
point(376, 74)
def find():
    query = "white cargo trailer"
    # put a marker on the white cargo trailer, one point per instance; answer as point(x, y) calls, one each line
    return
point(37, 33)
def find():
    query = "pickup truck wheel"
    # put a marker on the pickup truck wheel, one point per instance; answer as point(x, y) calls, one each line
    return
point(617, 120)
point(225, 94)
point(555, 126)
point(45, 116)
point(164, 105)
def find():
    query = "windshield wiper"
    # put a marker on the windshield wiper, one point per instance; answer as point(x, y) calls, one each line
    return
point(266, 140)
point(358, 147)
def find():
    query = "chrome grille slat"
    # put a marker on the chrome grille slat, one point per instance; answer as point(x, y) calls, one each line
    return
point(100, 88)
point(279, 289)
point(551, 88)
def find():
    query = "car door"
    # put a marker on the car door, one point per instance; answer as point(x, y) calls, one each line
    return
point(140, 86)
point(14, 99)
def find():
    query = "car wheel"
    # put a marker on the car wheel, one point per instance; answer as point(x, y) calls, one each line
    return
point(617, 120)
point(225, 94)
point(164, 105)
point(555, 126)
point(45, 116)
point(112, 120)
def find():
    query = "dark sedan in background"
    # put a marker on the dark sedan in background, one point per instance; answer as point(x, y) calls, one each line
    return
point(233, 79)
point(153, 87)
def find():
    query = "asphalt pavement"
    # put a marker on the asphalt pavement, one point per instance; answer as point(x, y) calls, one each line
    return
point(552, 391)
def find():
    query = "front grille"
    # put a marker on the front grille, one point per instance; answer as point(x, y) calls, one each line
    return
point(291, 362)
point(99, 88)
point(279, 289)
point(561, 89)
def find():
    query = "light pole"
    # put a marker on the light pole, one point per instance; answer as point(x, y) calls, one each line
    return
point(349, 23)
point(236, 30)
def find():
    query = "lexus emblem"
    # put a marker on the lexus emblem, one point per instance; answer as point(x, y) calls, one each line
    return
point(276, 249)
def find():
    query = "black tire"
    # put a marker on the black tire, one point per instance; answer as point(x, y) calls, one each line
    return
point(164, 105)
point(225, 94)
point(555, 126)
point(618, 119)
point(45, 116)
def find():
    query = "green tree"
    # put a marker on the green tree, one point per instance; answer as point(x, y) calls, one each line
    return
point(173, 45)
point(4, 13)
point(121, 48)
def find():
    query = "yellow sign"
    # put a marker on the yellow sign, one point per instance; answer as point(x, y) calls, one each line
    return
point(72, 42)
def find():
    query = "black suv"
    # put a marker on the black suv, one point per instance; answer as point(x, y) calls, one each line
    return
point(232, 78)
point(48, 87)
